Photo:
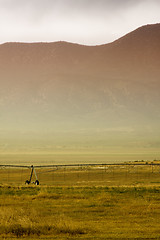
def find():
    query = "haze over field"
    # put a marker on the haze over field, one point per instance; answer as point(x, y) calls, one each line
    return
point(58, 97)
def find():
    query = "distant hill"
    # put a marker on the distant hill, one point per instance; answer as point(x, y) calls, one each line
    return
point(60, 86)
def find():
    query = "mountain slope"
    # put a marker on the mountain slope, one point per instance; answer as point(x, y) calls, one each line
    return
point(63, 86)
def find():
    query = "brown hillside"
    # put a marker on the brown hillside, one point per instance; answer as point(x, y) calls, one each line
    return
point(47, 84)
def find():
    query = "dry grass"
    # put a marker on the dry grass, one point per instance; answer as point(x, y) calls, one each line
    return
point(84, 204)
point(79, 212)
point(17, 222)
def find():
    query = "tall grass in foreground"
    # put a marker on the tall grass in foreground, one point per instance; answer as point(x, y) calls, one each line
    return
point(79, 212)
point(19, 225)
point(18, 217)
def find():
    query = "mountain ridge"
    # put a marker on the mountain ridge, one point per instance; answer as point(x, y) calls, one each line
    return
point(109, 55)
point(67, 87)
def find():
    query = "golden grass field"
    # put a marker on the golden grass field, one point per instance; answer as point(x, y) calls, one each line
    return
point(81, 203)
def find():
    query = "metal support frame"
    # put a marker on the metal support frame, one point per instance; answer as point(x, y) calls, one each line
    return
point(29, 181)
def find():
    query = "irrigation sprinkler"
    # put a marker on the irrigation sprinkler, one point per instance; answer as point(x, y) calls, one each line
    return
point(29, 181)
point(48, 169)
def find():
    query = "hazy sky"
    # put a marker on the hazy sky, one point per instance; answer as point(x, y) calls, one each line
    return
point(83, 21)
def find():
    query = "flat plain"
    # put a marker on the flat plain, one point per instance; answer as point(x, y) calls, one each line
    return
point(84, 203)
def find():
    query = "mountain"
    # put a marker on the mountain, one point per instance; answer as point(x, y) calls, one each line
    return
point(107, 91)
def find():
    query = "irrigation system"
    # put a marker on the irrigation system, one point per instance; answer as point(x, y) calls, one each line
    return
point(58, 166)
